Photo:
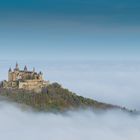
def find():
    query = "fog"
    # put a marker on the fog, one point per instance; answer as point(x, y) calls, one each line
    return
point(111, 82)
point(16, 123)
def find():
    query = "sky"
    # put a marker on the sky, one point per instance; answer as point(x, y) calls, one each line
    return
point(69, 30)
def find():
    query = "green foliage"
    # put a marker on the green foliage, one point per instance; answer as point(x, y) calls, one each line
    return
point(52, 98)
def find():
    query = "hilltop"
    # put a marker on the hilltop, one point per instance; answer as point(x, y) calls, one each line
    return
point(29, 87)
point(54, 98)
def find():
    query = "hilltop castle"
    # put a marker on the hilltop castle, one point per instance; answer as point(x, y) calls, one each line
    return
point(24, 79)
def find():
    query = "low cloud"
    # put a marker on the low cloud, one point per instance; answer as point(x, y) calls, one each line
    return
point(18, 124)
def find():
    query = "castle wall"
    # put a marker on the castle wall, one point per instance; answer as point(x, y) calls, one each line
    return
point(10, 78)
point(32, 85)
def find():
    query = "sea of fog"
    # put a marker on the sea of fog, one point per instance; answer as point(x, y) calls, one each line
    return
point(112, 82)
point(22, 124)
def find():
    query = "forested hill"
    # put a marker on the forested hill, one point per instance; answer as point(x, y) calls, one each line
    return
point(54, 98)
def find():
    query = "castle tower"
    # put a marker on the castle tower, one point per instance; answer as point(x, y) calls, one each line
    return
point(10, 75)
point(40, 75)
point(33, 70)
point(17, 67)
point(25, 68)
point(10, 70)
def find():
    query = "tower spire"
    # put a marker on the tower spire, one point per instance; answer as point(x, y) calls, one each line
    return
point(40, 73)
point(25, 68)
point(17, 67)
point(10, 70)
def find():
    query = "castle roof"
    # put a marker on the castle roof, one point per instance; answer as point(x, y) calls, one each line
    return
point(25, 68)
point(17, 67)
point(27, 71)
point(10, 69)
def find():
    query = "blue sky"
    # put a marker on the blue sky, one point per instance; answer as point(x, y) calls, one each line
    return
point(70, 29)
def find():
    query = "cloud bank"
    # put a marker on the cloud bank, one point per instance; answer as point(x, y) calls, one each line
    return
point(81, 125)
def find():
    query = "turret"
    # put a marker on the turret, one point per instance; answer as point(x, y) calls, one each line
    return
point(10, 70)
point(33, 70)
point(17, 67)
point(40, 75)
point(10, 74)
point(25, 68)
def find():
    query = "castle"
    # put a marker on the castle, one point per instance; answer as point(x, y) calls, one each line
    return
point(24, 79)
